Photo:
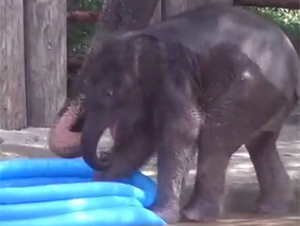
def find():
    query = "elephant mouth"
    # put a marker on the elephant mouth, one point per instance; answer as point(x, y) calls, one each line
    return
point(93, 131)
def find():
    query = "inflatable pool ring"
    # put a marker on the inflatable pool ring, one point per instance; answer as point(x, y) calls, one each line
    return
point(56, 192)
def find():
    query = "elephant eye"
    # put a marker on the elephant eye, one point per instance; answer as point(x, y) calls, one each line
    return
point(109, 93)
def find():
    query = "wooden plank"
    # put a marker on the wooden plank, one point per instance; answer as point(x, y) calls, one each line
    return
point(12, 69)
point(46, 57)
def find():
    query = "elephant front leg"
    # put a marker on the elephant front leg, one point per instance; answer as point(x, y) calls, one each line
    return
point(213, 157)
point(175, 150)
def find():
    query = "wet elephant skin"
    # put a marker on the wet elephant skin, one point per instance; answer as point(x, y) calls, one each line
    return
point(205, 81)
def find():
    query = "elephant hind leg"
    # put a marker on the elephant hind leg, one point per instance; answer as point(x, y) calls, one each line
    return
point(274, 182)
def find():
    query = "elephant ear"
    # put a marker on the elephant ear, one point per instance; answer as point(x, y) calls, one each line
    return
point(149, 60)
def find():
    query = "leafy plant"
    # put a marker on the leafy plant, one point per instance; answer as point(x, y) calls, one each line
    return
point(79, 34)
point(288, 20)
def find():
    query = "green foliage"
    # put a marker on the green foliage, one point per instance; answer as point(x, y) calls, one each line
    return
point(84, 4)
point(79, 34)
point(289, 20)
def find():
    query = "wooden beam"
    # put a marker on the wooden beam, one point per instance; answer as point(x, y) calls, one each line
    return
point(83, 17)
point(46, 57)
point(12, 68)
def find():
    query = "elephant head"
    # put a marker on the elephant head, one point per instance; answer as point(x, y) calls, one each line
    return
point(120, 89)
point(65, 134)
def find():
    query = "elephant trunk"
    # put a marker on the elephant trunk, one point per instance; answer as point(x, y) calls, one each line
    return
point(64, 142)
point(93, 129)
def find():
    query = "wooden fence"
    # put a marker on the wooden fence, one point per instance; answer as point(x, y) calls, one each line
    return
point(33, 54)
point(32, 62)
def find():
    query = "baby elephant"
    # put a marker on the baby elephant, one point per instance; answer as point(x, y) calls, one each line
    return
point(208, 80)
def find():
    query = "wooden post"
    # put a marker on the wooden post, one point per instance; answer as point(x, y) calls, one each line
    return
point(12, 69)
point(46, 56)
point(156, 17)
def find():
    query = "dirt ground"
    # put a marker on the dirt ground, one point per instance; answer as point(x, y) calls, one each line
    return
point(242, 187)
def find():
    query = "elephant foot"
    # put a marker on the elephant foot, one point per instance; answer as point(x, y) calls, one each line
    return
point(169, 213)
point(272, 207)
point(276, 204)
point(201, 211)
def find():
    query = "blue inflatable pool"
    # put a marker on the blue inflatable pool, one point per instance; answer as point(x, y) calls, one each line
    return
point(55, 192)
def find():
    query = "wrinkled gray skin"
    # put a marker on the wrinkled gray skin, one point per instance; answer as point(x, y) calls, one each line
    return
point(116, 15)
point(208, 80)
